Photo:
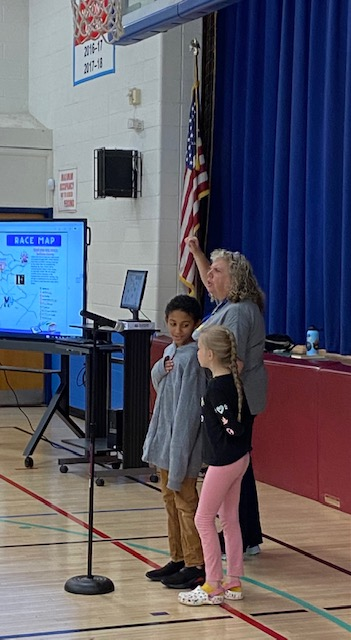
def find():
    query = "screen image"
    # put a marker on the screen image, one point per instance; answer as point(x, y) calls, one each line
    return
point(42, 277)
point(133, 290)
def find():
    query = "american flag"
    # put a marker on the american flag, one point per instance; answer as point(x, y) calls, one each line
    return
point(195, 188)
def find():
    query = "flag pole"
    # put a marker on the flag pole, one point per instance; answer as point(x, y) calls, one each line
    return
point(195, 48)
point(195, 184)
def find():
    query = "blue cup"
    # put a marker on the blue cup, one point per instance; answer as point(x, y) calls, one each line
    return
point(312, 341)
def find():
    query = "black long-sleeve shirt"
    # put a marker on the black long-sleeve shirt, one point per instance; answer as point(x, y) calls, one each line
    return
point(225, 439)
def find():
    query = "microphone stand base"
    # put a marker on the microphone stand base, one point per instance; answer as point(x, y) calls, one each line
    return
point(89, 585)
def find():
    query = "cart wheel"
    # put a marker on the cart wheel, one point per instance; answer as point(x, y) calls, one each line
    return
point(116, 465)
point(154, 477)
point(28, 462)
point(63, 468)
point(100, 482)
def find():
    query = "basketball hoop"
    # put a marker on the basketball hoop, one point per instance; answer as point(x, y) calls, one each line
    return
point(93, 19)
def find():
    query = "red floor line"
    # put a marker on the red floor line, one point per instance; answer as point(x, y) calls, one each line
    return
point(135, 554)
point(82, 523)
point(253, 622)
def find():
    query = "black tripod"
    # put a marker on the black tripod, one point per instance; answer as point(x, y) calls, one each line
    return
point(90, 584)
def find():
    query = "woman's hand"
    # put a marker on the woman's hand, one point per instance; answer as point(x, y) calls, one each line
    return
point(193, 244)
point(201, 261)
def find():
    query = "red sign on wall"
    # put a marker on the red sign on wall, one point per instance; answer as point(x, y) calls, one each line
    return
point(67, 192)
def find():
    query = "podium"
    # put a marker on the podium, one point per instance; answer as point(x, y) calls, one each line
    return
point(136, 399)
point(136, 390)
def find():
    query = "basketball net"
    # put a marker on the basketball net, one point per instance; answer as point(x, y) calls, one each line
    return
point(93, 19)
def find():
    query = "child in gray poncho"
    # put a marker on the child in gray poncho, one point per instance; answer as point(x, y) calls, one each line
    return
point(173, 443)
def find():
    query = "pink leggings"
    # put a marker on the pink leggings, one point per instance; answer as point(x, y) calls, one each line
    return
point(220, 495)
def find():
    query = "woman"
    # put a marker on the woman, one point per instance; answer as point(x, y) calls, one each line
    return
point(230, 282)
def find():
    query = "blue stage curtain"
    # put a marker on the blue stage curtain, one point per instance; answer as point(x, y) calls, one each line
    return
point(281, 163)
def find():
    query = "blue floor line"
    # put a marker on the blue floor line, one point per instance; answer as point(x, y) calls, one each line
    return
point(303, 603)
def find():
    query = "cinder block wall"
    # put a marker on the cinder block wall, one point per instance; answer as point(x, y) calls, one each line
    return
point(126, 233)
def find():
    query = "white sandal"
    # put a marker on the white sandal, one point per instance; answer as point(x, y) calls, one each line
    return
point(233, 593)
point(198, 596)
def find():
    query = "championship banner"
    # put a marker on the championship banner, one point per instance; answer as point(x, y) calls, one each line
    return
point(93, 56)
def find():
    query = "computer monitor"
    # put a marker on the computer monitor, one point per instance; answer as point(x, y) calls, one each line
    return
point(133, 291)
point(42, 277)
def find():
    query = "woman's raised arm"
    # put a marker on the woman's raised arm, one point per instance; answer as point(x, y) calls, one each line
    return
point(202, 263)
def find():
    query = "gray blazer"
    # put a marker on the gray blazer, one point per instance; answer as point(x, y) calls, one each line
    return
point(246, 321)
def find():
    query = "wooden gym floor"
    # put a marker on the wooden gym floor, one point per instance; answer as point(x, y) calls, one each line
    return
point(298, 588)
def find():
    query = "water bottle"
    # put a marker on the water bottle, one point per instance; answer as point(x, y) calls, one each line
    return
point(312, 341)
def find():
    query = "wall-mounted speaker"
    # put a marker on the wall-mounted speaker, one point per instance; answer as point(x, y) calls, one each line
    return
point(117, 173)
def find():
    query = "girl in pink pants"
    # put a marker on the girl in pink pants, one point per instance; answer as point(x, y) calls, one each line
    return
point(226, 447)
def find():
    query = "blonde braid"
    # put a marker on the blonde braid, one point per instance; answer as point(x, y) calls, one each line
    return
point(222, 342)
point(235, 371)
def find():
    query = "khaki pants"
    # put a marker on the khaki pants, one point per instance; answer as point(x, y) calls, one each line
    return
point(183, 538)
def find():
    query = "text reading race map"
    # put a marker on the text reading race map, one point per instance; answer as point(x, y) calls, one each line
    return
point(40, 281)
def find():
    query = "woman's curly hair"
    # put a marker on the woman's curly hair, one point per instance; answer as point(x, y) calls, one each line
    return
point(244, 285)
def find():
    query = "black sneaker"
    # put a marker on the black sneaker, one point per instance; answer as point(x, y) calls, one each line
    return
point(171, 567)
point(186, 578)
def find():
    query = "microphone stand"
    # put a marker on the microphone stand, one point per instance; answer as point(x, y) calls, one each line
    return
point(90, 584)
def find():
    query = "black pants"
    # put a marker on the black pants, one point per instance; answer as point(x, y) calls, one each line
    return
point(249, 514)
